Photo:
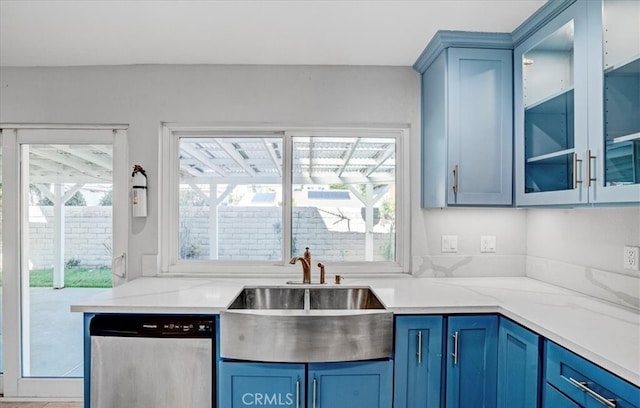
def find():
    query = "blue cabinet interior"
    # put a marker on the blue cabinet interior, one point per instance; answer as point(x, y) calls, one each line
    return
point(518, 366)
point(622, 122)
point(549, 143)
point(418, 361)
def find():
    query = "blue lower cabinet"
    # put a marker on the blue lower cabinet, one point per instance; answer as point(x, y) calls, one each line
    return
point(323, 385)
point(418, 361)
point(261, 384)
point(350, 385)
point(585, 383)
point(518, 366)
point(472, 361)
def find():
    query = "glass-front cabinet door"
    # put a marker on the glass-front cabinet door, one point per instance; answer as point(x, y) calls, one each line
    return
point(577, 107)
point(550, 111)
point(614, 139)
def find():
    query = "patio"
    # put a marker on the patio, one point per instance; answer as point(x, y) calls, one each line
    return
point(56, 342)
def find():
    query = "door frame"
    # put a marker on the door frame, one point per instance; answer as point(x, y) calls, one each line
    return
point(14, 385)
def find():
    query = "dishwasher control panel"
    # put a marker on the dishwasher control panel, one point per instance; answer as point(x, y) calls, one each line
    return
point(152, 326)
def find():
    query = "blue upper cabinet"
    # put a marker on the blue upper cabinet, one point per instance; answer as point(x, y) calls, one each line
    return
point(577, 105)
point(613, 171)
point(418, 361)
point(472, 361)
point(466, 120)
point(518, 366)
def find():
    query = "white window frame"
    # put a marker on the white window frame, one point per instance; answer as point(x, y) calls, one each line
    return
point(171, 265)
point(13, 136)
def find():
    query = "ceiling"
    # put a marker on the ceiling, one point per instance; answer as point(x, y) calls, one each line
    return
point(324, 32)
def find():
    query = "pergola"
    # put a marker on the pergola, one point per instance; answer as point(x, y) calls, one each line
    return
point(366, 166)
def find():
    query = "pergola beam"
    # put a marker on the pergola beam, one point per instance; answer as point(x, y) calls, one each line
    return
point(203, 159)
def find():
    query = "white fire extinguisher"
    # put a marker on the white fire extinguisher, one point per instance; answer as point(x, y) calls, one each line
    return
point(139, 191)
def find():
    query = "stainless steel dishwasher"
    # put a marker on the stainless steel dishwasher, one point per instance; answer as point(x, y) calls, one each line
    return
point(152, 361)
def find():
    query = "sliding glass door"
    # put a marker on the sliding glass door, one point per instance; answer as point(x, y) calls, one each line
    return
point(67, 203)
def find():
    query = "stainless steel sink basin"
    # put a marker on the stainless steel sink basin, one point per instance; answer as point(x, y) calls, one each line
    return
point(343, 299)
point(269, 298)
point(306, 324)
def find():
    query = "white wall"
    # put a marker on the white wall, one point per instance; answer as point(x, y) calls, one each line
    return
point(145, 96)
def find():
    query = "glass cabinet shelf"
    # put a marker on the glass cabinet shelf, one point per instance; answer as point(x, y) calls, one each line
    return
point(549, 155)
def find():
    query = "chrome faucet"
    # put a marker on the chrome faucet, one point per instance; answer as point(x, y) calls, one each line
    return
point(305, 260)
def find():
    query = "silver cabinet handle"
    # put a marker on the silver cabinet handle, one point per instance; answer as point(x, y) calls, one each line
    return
point(455, 178)
point(298, 394)
point(575, 171)
point(315, 386)
point(589, 178)
point(419, 353)
point(583, 386)
point(455, 348)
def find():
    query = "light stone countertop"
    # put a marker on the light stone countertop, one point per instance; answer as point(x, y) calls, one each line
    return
point(602, 332)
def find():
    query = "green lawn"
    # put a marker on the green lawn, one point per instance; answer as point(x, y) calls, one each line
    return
point(73, 278)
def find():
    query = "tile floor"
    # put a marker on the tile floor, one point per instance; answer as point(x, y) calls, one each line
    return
point(4, 404)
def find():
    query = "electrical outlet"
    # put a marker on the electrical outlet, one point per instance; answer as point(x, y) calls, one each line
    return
point(488, 243)
point(449, 243)
point(630, 260)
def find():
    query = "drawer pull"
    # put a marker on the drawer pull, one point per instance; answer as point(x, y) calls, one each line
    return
point(298, 394)
point(419, 353)
point(583, 386)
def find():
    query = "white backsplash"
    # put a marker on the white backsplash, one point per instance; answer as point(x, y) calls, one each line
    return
point(578, 248)
point(508, 225)
point(581, 249)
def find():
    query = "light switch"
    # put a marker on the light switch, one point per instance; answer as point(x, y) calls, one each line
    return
point(488, 243)
point(449, 243)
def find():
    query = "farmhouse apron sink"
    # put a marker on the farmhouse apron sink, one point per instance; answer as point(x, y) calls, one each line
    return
point(306, 324)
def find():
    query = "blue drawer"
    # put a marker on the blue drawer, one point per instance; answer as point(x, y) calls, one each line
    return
point(586, 383)
point(553, 398)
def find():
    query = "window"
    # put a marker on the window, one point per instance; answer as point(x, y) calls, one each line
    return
point(247, 200)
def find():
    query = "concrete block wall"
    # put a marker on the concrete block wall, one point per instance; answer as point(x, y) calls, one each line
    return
point(88, 232)
point(247, 233)
point(253, 233)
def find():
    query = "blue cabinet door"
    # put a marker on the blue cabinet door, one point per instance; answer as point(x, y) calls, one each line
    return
point(480, 126)
point(518, 366)
point(467, 132)
point(261, 384)
point(472, 361)
point(350, 385)
point(418, 361)
point(550, 115)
